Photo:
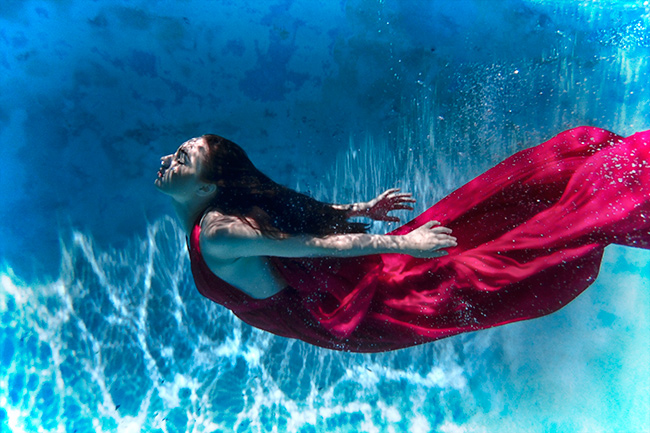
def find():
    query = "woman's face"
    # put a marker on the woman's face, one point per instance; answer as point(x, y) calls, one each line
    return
point(179, 174)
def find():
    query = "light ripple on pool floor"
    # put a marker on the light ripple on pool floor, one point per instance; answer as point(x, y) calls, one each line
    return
point(123, 342)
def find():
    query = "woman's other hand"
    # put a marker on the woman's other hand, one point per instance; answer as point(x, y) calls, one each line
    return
point(390, 200)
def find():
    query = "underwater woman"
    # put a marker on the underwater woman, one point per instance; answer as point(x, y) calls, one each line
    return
point(531, 233)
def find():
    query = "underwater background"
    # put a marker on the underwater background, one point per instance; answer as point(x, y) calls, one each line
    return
point(102, 328)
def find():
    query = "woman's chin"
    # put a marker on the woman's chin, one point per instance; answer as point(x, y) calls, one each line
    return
point(159, 184)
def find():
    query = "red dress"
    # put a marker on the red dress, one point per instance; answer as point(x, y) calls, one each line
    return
point(531, 233)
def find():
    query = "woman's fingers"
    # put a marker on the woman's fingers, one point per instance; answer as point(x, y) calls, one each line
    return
point(388, 192)
point(429, 224)
point(435, 227)
point(406, 197)
point(403, 201)
point(393, 194)
point(442, 234)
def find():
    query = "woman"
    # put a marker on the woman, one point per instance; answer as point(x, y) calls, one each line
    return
point(533, 230)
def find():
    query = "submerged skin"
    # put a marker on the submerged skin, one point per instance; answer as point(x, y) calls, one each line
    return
point(238, 253)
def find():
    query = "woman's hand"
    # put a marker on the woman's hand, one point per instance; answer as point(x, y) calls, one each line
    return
point(428, 241)
point(390, 200)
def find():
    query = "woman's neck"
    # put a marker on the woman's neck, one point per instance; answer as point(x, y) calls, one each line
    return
point(189, 213)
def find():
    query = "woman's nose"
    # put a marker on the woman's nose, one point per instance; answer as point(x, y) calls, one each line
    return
point(165, 160)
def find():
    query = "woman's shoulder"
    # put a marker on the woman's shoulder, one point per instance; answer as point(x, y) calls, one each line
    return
point(214, 223)
point(223, 235)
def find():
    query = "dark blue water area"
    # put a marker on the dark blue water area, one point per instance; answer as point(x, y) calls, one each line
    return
point(102, 328)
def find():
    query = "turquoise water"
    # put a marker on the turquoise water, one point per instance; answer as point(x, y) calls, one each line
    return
point(102, 327)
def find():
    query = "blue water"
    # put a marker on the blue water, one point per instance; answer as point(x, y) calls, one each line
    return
point(102, 327)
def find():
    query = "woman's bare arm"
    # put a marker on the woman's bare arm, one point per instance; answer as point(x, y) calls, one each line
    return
point(378, 208)
point(225, 238)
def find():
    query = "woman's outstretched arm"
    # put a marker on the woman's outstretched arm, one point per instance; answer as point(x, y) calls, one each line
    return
point(225, 237)
point(378, 208)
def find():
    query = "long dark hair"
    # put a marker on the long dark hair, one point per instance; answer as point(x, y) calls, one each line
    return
point(245, 192)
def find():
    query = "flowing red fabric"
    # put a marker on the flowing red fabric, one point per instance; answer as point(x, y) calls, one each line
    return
point(531, 233)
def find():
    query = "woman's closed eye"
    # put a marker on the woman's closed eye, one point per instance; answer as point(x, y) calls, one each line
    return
point(182, 157)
